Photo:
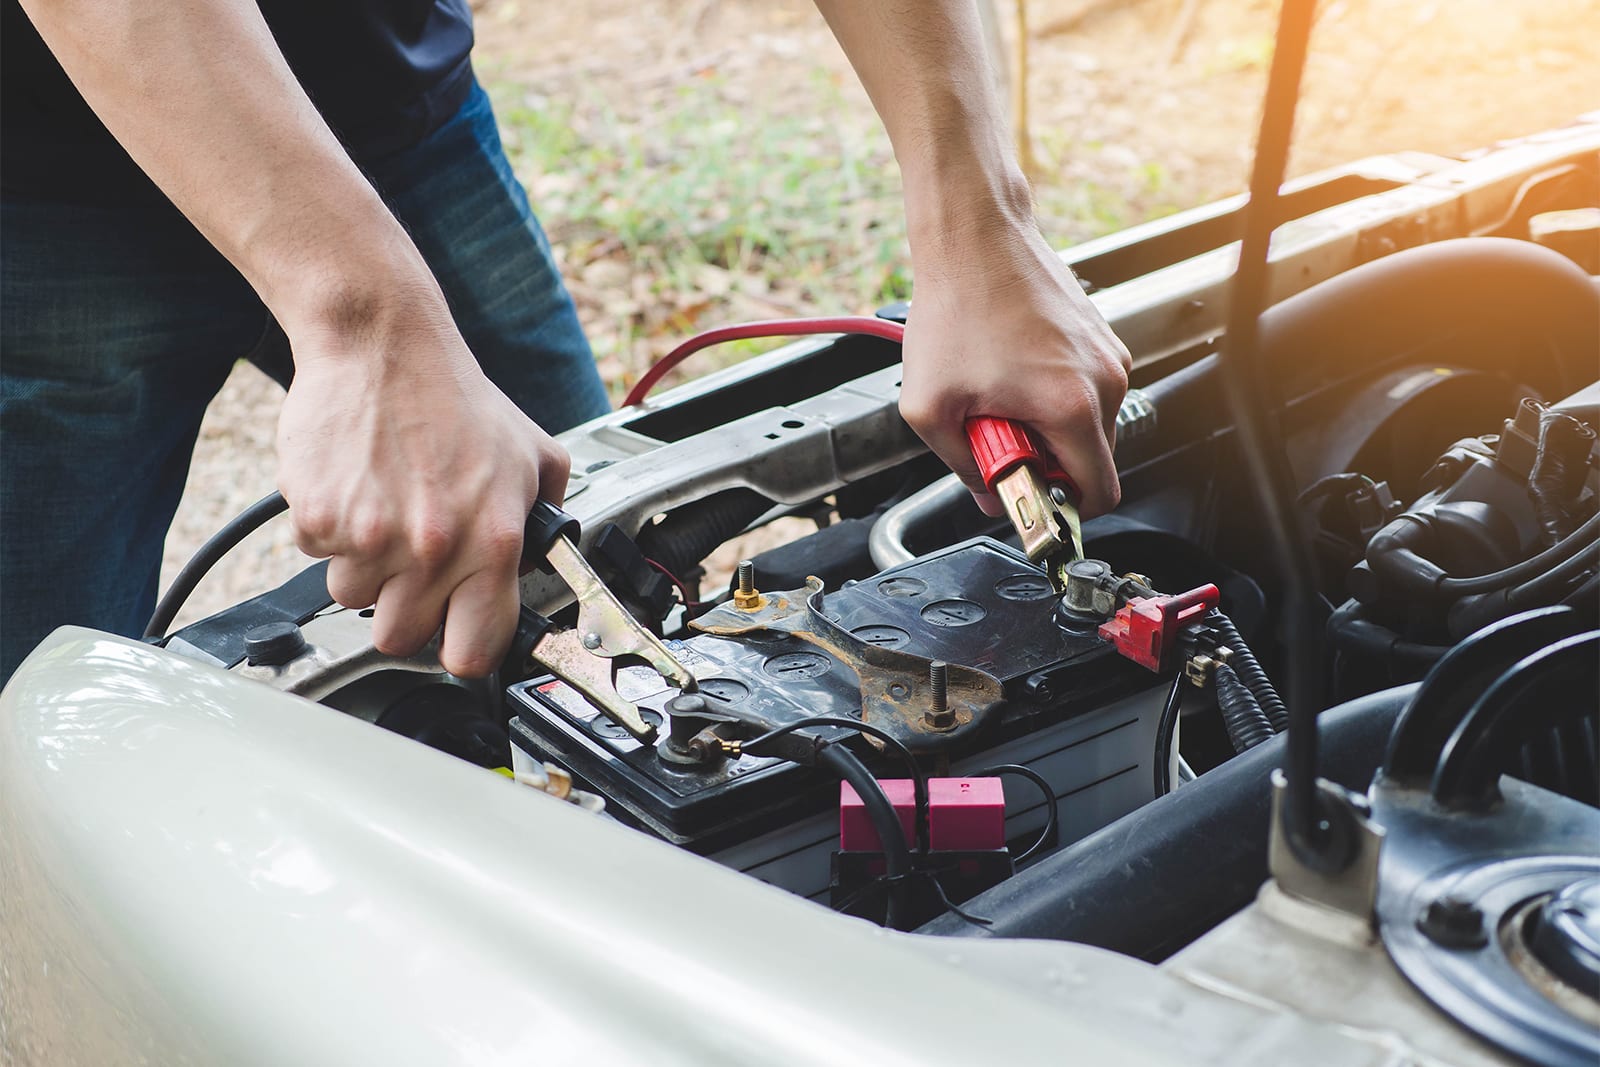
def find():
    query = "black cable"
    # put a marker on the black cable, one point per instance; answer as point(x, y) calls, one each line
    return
point(220, 544)
point(1052, 818)
point(891, 835)
point(1573, 544)
point(1165, 728)
point(1584, 596)
point(1323, 486)
point(1246, 723)
point(1559, 466)
point(1254, 414)
point(1529, 593)
point(919, 780)
point(1250, 672)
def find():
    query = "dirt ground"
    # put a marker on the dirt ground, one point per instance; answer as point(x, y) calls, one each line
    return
point(1139, 107)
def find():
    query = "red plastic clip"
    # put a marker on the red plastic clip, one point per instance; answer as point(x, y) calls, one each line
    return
point(1145, 628)
point(1000, 446)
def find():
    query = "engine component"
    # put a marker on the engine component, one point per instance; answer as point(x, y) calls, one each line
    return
point(1154, 881)
point(965, 852)
point(1476, 880)
point(1145, 629)
point(964, 814)
point(1058, 700)
point(1503, 524)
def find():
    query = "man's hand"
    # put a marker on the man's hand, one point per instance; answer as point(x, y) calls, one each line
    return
point(998, 326)
point(401, 461)
point(1009, 333)
point(397, 456)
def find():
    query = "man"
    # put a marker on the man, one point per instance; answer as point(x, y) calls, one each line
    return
point(331, 171)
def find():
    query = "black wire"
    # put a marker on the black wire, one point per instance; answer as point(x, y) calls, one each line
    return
point(950, 905)
point(891, 835)
point(1584, 595)
point(1553, 580)
point(1052, 818)
point(1251, 673)
point(919, 780)
point(220, 544)
point(1165, 728)
point(1575, 543)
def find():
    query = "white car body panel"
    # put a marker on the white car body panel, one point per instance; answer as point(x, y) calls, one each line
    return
point(203, 870)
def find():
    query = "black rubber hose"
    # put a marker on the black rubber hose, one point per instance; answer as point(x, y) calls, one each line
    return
point(1349, 630)
point(1558, 472)
point(220, 544)
point(891, 834)
point(1505, 296)
point(1162, 875)
point(692, 532)
point(1246, 723)
point(1250, 672)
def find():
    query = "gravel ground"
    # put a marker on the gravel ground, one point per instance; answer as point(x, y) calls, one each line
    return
point(1386, 75)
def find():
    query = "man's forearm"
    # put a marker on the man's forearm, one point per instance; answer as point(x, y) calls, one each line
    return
point(199, 94)
point(1000, 326)
point(400, 461)
point(923, 63)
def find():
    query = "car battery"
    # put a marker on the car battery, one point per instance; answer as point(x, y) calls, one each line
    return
point(1073, 710)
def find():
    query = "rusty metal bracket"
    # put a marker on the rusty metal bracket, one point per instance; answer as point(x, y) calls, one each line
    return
point(895, 685)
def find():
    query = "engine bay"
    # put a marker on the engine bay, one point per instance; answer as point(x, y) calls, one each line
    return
point(901, 716)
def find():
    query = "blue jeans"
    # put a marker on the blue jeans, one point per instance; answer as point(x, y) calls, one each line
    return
point(120, 323)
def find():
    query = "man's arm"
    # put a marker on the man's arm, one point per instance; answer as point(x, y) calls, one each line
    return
point(398, 458)
point(1000, 326)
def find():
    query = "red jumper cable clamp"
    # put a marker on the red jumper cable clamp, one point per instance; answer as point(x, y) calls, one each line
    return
point(1039, 497)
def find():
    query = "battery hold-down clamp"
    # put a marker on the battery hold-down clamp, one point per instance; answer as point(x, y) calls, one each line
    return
point(1145, 629)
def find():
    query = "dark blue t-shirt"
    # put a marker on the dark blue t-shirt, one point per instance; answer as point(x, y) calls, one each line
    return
point(384, 74)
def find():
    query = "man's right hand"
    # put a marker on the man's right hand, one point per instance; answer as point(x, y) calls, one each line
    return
point(402, 463)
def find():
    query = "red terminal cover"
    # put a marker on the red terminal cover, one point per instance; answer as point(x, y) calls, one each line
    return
point(964, 815)
point(1145, 628)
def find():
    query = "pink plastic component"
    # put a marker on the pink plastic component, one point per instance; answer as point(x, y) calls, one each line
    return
point(964, 815)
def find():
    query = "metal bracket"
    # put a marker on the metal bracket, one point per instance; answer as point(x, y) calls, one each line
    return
point(896, 689)
point(1353, 888)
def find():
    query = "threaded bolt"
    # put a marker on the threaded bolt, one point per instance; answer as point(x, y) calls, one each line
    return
point(939, 716)
point(745, 596)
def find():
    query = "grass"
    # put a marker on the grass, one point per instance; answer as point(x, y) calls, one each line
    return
point(689, 206)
